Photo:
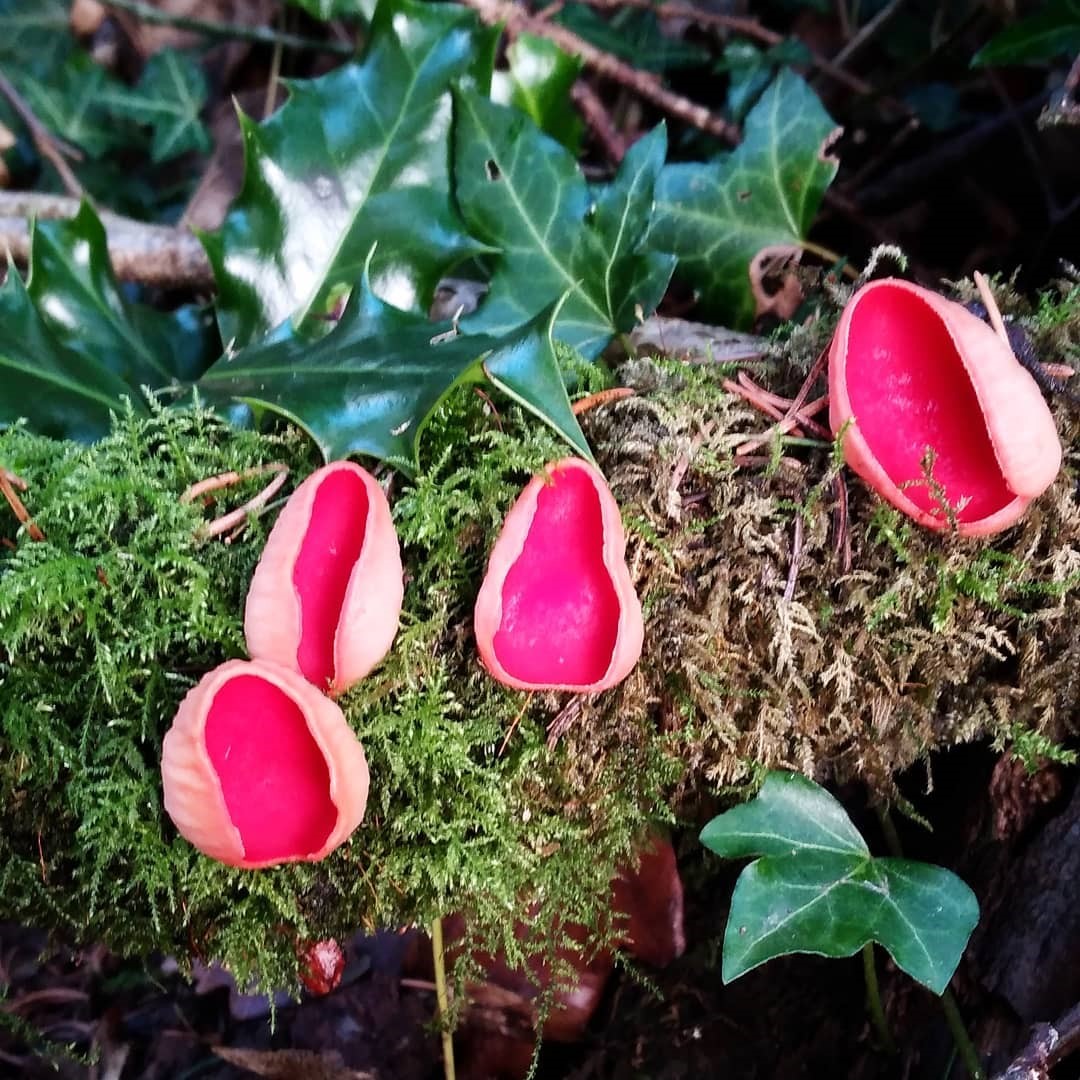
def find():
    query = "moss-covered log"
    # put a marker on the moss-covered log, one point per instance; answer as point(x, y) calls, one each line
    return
point(761, 650)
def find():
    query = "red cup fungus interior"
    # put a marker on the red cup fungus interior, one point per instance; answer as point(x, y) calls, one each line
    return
point(273, 774)
point(332, 544)
point(909, 390)
point(560, 611)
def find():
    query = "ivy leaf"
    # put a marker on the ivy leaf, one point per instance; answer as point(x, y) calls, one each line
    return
point(34, 38)
point(816, 889)
point(354, 157)
point(59, 392)
point(371, 384)
point(68, 100)
point(73, 287)
point(538, 82)
point(1054, 31)
point(717, 217)
point(634, 36)
point(169, 97)
point(523, 193)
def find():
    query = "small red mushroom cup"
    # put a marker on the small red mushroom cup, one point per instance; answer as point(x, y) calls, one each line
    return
point(326, 596)
point(261, 768)
point(910, 371)
point(557, 608)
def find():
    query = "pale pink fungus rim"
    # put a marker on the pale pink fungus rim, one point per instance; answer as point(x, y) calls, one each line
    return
point(371, 607)
point(193, 794)
point(508, 547)
point(1003, 389)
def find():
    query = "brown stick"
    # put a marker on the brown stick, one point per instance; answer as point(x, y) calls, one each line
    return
point(48, 145)
point(599, 121)
point(156, 255)
point(796, 558)
point(601, 397)
point(8, 483)
point(517, 21)
point(238, 516)
point(738, 24)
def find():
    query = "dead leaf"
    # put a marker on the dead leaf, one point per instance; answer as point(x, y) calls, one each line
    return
point(291, 1064)
point(774, 285)
point(695, 341)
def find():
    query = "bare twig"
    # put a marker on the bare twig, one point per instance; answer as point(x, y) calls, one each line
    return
point(264, 35)
point(841, 524)
point(156, 255)
point(737, 24)
point(518, 20)
point(48, 145)
point(599, 120)
point(1049, 1044)
point(239, 516)
point(601, 397)
point(564, 721)
point(867, 31)
point(8, 483)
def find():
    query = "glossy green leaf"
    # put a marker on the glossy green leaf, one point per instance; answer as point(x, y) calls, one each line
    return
point(1051, 32)
point(526, 367)
point(717, 217)
point(168, 99)
point(816, 889)
point(634, 36)
point(59, 392)
point(73, 287)
point(523, 193)
point(791, 814)
point(355, 157)
point(538, 82)
point(370, 385)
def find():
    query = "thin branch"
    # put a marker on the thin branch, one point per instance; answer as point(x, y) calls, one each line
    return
point(599, 121)
point(263, 35)
point(8, 483)
point(517, 21)
point(156, 255)
point(48, 145)
point(737, 24)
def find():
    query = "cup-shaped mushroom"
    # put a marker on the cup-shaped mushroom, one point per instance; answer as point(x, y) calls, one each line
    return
point(260, 768)
point(557, 608)
point(910, 371)
point(326, 596)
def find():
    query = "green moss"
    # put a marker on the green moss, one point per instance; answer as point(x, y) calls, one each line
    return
point(927, 641)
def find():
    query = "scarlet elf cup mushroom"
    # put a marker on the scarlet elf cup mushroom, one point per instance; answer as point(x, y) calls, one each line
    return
point(260, 768)
point(326, 596)
point(557, 608)
point(910, 371)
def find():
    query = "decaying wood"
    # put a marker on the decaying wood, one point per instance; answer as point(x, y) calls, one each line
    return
point(156, 255)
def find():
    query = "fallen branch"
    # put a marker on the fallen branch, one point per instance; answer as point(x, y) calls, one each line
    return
point(156, 255)
point(517, 20)
point(1049, 1044)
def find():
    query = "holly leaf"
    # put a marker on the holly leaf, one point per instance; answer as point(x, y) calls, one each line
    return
point(59, 392)
point(816, 889)
point(169, 97)
point(1054, 31)
point(72, 285)
point(718, 217)
point(357, 156)
point(370, 385)
point(538, 82)
point(523, 193)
